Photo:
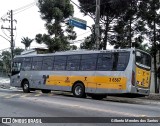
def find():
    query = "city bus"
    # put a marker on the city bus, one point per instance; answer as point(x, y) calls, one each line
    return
point(121, 72)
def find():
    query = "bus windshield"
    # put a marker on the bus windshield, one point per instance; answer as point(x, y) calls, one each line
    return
point(143, 59)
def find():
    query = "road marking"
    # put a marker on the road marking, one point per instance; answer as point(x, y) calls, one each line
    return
point(38, 94)
point(51, 94)
point(91, 108)
point(10, 96)
point(1, 95)
point(25, 95)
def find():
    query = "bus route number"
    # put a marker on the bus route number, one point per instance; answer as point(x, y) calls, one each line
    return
point(114, 79)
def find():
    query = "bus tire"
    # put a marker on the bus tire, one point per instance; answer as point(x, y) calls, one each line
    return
point(46, 91)
point(98, 97)
point(79, 90)
point(25, 86)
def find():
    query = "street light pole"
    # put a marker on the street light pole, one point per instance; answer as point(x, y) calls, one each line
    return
point(97, 26)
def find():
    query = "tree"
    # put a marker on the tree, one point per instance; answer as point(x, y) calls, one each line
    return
point(109, 12)
point(87, 44)
point(54, 12)
point(17, 51)
point(5, 62)
point(73, 47)
point(130, 28)
point(27, 42)
point(149, 11)
point(6, 57)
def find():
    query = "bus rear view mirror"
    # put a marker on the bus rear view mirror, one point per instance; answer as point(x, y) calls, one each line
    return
point(9, 75)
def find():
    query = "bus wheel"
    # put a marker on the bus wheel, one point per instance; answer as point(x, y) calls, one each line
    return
point(25, 86)
point(79, 90)
point(98, 97)
point(46, 91)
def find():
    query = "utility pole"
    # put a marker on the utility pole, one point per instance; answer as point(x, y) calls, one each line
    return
point(12, 42)
point(97, 26)
point(10, 19)
point(10, 13)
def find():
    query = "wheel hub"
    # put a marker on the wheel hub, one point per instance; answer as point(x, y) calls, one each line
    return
point(78, 90)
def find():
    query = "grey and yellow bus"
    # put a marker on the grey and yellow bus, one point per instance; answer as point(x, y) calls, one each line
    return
point(94, 73)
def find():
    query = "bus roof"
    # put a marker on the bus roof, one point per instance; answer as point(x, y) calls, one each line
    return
point(77, 52)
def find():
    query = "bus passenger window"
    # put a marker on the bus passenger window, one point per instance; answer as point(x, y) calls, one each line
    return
point(123, 59)
point(88, 62)
point(26, 65)
point(73, 62)
point(60, 63)
point(105, 62)
point(47, 63)
point(37, 63)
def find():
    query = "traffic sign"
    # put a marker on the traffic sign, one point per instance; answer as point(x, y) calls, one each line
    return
point(78, 23)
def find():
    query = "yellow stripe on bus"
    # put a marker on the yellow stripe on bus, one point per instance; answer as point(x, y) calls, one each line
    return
point(106, 82)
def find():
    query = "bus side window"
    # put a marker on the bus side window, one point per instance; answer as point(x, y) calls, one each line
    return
point(60, 63)
point(88, 62)
point(73, 62)
point(26, 65)
point(37, 63)
point(105, 62)
point(123, 59)
point(47, 63)
point(16, 66)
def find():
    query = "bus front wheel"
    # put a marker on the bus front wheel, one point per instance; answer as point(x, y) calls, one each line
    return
point(25, 86)
point(79, 90)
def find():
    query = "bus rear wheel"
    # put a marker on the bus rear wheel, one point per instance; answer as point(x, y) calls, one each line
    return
point(79, 90)
point(46, 91)
point(25, 86)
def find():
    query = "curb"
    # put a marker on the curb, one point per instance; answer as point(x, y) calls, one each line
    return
point(134, 100)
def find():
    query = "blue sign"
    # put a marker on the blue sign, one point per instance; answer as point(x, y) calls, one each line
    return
point(78, 23)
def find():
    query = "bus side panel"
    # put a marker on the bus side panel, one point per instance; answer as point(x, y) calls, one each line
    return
point(110, 82)
point(15, 80)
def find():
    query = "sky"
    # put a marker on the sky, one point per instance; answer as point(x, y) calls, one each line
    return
point(29, 23)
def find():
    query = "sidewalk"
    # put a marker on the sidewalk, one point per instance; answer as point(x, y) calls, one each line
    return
point(153, 99)
point(4, 82)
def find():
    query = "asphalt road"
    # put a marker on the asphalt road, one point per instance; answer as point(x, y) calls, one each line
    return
point(15, 103)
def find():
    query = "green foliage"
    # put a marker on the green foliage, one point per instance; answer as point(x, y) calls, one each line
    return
point(27, 42)
point(73, 47)
point(88, 43)
point(57, 10)
point(6, 58)
point(5, 62)
point(109, 12)
point(17, 51)
point(54, 12)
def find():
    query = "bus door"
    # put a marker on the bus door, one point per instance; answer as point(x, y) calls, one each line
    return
point(15, 72)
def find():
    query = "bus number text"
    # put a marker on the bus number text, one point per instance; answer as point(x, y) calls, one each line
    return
point(114, 79)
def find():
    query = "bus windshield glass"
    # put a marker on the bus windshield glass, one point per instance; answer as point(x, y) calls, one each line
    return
point(143, 59)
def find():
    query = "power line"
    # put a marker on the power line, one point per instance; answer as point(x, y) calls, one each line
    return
point(83, 33)
point(21, 8)
point(75, 41)
point(27, 7)
point(5, 34)
point(82, 9)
